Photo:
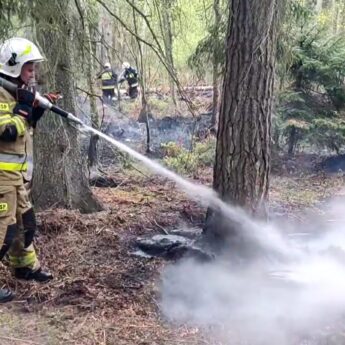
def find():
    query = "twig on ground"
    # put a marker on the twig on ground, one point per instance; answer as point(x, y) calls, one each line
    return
point(164, 230)
point(22, 341)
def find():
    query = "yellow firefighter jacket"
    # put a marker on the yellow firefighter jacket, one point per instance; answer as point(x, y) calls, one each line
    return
point(14, 156)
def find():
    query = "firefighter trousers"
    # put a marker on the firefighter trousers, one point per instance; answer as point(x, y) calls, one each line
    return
point(17, 227)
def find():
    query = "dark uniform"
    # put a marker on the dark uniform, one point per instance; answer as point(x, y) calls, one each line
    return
point(109, 82)
point(131, 75)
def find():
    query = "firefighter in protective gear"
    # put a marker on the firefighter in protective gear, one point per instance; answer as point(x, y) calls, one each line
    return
point(109, 82)
point(18, 115)
point(131, 75)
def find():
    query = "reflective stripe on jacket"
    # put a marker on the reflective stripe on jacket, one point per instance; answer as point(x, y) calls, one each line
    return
point(10, 162)
point(131, 75)
point(13, 155)
point(109, 79)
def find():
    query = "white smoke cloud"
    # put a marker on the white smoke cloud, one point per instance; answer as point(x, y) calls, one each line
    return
point(267, 302)
point(285, 302)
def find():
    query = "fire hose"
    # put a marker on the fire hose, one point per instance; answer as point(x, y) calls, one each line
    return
point(42, 102)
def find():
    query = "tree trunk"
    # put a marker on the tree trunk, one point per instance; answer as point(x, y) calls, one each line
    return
point(326, 4)
point(335, 16)
point(60, 176)
point(217, 19)
point(143, 115)
point(90, 74)
point(103, 51)
point(292, 141)
point(318, 6)
point(242, 165)
point(343, 18)
point(215, 97)
point(168, 42)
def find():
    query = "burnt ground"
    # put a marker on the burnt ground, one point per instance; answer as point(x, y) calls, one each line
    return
point(102, 293)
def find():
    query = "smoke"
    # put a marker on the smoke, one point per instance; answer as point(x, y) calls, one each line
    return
point(288, 298)
point(294, 300)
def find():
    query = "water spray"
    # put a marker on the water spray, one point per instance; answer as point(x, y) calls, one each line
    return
point(200, 193)
point(244, 301)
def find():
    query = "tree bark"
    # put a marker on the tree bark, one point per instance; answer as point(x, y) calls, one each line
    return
point(60, 176)
point(217, 19)
point(166, 28)
point(144, 112)
point(242, 165)
point(90, 74)
point(343, 18)
point(335, 15)
point(292, 141)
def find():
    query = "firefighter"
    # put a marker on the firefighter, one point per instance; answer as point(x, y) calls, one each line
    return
point(109, 82)
point(131, 75)
point(18, 115)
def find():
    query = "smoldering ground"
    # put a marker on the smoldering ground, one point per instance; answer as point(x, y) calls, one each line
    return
point(293, 288)
point(297, 298)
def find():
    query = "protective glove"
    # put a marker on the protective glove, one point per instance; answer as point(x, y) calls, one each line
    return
point(25, 101)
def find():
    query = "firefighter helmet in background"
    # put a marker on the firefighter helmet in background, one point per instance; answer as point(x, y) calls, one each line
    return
point(125, 65)
point(14, 53)
point(107, 65)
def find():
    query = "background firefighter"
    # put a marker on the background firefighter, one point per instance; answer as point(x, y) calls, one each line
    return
point(131, 75)
point(17, 116)
point(109, 82)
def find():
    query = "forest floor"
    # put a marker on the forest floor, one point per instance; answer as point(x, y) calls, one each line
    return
point(102, 293)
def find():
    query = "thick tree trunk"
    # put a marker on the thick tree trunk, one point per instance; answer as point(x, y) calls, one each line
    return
point(241, 170)
point(60, 176)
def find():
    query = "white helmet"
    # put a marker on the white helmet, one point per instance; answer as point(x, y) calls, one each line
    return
point(107, 65)
point(14, 53)
point(125, 65)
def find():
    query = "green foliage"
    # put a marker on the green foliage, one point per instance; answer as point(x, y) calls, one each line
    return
point(312, 73)
point(190, 27)
point(12, 17)
point(160, 106)
point(309, 118)
point(320, 61)
point(329, 133)
point(210, 46)
point(187, 162)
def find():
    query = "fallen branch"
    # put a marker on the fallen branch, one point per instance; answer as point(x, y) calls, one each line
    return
point(163, 229)
point(22, 341)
